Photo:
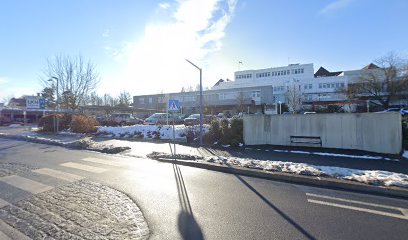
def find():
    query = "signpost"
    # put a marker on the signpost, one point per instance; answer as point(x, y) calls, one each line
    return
point(173, 107)
point(35, 102)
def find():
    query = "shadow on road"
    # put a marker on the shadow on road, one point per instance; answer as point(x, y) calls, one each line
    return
point(280, 212)
point(187, 225)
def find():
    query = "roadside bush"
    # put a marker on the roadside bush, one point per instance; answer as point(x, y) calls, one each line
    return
point(225, 133)
point(46, 123)
point(83, 124)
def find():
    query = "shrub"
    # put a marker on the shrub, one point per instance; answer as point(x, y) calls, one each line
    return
point(47, 122)
point(231, 134)
point(83, 124)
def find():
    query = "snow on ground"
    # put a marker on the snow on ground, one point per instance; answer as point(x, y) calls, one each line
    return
point(405, 155)
point(338, 155)
point(14, 125)
point(374, 177)
point(149, 131)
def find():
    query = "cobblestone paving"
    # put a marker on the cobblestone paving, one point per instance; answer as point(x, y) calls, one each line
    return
point(81, 210)
point(7, 169)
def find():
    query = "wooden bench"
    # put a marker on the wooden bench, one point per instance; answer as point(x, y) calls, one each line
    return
point(306, 140)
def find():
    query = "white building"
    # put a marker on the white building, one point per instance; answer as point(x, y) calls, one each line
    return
point(321, 86)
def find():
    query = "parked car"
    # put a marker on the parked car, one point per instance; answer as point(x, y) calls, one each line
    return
point(125, 119)
point(402, 111)
point(5, 120)
point(162, 118)
point(192, 120)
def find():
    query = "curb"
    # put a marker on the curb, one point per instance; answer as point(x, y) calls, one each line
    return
point(298, 179)
point(277, 176)
point(61, 144)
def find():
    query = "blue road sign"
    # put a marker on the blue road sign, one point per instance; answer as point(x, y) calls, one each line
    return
point(173, 106)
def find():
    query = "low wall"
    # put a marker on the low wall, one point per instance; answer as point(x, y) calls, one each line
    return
point(375, 132)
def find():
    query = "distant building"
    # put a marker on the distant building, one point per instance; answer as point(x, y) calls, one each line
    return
point(254, 90)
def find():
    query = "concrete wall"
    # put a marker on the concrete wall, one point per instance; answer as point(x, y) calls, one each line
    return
point(376, 132)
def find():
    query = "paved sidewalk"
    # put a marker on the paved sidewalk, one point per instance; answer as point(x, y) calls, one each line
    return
point(81, 210)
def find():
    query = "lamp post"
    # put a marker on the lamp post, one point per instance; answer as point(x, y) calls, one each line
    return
point(201, 102)
point(57, 102)
point(280, 107)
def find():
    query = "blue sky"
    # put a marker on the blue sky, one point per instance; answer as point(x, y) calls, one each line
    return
point(140, 46)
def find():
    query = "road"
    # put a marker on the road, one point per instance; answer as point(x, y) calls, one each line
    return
point(181, 202)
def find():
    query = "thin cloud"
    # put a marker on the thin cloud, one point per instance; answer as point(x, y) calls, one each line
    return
point(106, 33)
point(334, 6)
point(195, 31)
point(3, 80)
point(164, 5)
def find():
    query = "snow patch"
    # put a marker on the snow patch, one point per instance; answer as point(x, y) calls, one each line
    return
point(147, 131)
point(374, 177)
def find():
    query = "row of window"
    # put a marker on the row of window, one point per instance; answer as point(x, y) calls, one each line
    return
point(308, 86)
point(331, 85)
point(264, 74)
point(273, 74)
point(279, 88)
point(244, 76)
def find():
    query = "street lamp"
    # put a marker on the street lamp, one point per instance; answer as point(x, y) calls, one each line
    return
point(280, 107)
point(57, 103)
point(201, 102)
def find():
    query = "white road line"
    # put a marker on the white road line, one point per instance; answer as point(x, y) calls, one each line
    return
point(103, 161)
point(3, 203)
point(59, 174)
point(3, 236)
point(359, 209)
point(358, 202)
point(8, 232)
point(25, 184)
point(84, 167)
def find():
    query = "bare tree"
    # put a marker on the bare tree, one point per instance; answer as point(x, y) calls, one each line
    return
point(241, 100)
point(383, 83)
point(7, 99)
point(294, 98)
point(76, 78)
point(124, 99)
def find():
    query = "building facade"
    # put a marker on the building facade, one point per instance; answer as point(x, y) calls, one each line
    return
point(256, 90)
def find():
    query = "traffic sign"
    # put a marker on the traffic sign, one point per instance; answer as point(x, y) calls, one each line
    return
point(173, 106)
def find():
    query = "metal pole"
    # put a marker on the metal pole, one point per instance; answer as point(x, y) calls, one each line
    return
point(201, 109)
point(201, 102)
point(57, 104)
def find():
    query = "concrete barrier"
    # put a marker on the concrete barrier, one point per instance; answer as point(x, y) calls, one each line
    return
point(375, 132)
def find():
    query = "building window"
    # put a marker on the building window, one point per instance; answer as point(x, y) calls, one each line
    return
point(141, 100)
point(320, 85)
point(150, 100)
point(256, 94)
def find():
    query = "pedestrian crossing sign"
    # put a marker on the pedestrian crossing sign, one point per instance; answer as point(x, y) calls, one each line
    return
point(174, 106)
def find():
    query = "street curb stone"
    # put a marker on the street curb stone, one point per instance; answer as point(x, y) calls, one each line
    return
point(285, 177)
point(298, 179)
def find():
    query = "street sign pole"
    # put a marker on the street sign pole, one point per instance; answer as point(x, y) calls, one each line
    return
point(173, 106)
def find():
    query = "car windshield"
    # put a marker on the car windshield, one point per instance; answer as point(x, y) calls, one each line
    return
point(194, 116)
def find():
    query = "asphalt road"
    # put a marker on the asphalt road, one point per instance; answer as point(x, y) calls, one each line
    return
point(181, 202)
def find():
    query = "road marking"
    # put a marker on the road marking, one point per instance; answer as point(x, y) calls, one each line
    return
point(84, 167)
point(358, 202)
point(102, 161)
point(4, 236)
point(6, 231)
point(25, 184)
point(359, 209)
point(3, 203)
point(59, 174)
